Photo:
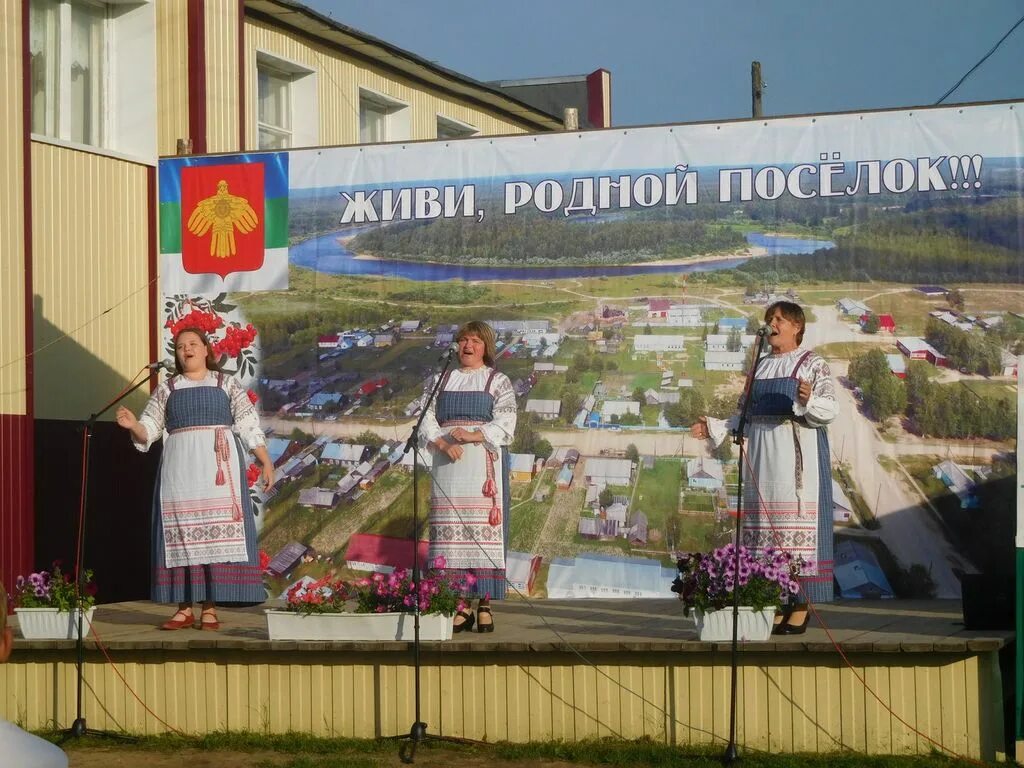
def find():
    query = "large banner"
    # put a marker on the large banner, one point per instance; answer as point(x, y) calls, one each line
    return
point(625, 272)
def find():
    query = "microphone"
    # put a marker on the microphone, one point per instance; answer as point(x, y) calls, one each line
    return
point(167, 364)
point(766, 330)
point(450, 350)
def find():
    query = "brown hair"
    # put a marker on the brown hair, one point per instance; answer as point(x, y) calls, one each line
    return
point(485, 333)
point(792, 312)
point(3, 608)
point(212, 364)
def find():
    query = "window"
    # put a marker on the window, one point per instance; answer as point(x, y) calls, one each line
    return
point(286, 105)
point(382, 118)
point(68, 48)
point(274, 120)
point(93, 74)
point(372, 122)
point(449, 128)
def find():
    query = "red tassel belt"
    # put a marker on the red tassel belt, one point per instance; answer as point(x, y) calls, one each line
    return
point(222, 454)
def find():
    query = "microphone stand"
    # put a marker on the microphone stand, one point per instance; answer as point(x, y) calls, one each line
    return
point(418, 732)
point(79, 727)
point(731, 754)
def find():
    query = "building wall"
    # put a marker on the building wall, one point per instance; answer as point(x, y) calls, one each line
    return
point(16, 518)
point(12, 217)
point(90, 279)
point(172, 74)
point(222, 75)
point(78, 292)
point(339, 78)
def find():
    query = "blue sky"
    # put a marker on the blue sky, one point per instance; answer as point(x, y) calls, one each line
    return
point(675, 61)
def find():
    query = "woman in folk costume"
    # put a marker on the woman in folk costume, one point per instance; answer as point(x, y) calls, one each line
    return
point(468, 429)
point(204, 534)
point(787, 491)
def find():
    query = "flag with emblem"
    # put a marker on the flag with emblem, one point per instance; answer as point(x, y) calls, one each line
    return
point(224, 223)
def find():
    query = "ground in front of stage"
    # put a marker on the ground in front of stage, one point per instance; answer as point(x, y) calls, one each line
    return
point(384, 754)
point(426, 757)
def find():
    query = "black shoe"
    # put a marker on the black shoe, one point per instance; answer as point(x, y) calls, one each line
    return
point(789, 628)
point(480, 625)
point(466, 625)
point(782, 614)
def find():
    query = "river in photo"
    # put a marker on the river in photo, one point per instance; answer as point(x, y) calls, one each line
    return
point(326, 254)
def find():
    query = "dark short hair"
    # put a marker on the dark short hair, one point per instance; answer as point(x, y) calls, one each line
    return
point(485, 333)
point(212, 364)
point(792, 312)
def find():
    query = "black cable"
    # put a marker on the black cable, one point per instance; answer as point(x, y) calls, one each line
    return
point(980, 61)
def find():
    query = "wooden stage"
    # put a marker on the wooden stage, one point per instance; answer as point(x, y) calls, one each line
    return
point(552, 670)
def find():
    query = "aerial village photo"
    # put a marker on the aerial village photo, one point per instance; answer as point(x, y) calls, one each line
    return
point(618, 331)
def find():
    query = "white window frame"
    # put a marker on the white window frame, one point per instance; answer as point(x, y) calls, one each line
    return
point(59, 126)
point(126, 119)
point(397, 116)
point(303, 108)
point(454, 129)
point(281, 131)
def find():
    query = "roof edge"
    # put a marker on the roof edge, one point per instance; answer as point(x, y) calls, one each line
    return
point(294, 7)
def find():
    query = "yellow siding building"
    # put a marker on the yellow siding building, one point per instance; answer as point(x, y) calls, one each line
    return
point(91, 94)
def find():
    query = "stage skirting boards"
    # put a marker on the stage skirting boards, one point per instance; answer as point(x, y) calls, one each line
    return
point(796, 695)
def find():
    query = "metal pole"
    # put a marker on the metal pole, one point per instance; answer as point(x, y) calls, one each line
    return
point(1018, 720)
point(731, 754)
point(756, 87)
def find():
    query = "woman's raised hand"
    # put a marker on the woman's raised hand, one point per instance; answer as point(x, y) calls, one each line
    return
point(125, 418)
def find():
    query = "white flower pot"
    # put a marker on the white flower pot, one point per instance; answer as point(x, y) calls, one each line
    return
point(716, 626)
point(285, 625)
point(52, 623)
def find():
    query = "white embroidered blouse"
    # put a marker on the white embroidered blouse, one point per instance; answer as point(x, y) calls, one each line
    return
point(500, 430)
point(246, 417)
point(821, 408)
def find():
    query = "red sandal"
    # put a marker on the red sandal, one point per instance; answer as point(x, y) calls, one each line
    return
point(186, 620)
point(211, 626)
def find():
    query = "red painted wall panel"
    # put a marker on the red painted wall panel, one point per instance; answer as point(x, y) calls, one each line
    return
point(17, 518)
point(596, 99)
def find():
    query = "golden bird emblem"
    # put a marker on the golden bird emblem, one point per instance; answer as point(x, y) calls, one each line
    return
point(222, 213)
